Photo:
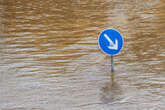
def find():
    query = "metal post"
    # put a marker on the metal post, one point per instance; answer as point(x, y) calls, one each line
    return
point(112, 64)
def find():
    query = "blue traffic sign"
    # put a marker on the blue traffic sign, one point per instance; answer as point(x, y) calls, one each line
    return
point(110, 41)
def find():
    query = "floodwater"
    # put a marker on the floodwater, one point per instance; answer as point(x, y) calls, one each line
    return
point(50, 59)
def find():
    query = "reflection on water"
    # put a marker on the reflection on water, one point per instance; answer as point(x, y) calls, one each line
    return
point(111, 92)
point(50, 57)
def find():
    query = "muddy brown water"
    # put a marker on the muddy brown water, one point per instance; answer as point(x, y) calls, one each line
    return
point(50, 59)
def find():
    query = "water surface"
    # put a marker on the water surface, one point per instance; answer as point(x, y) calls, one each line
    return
point(50, 59)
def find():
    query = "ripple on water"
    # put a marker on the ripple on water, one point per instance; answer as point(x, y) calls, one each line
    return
point(50, 58)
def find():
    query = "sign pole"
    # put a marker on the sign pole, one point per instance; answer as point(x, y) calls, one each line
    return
point(110, 42)
point(112, 64)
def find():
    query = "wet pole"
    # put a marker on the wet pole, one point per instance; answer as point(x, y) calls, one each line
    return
point(112, 64)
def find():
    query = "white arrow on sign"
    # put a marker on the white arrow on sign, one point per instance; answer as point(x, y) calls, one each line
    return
point(112, 45)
